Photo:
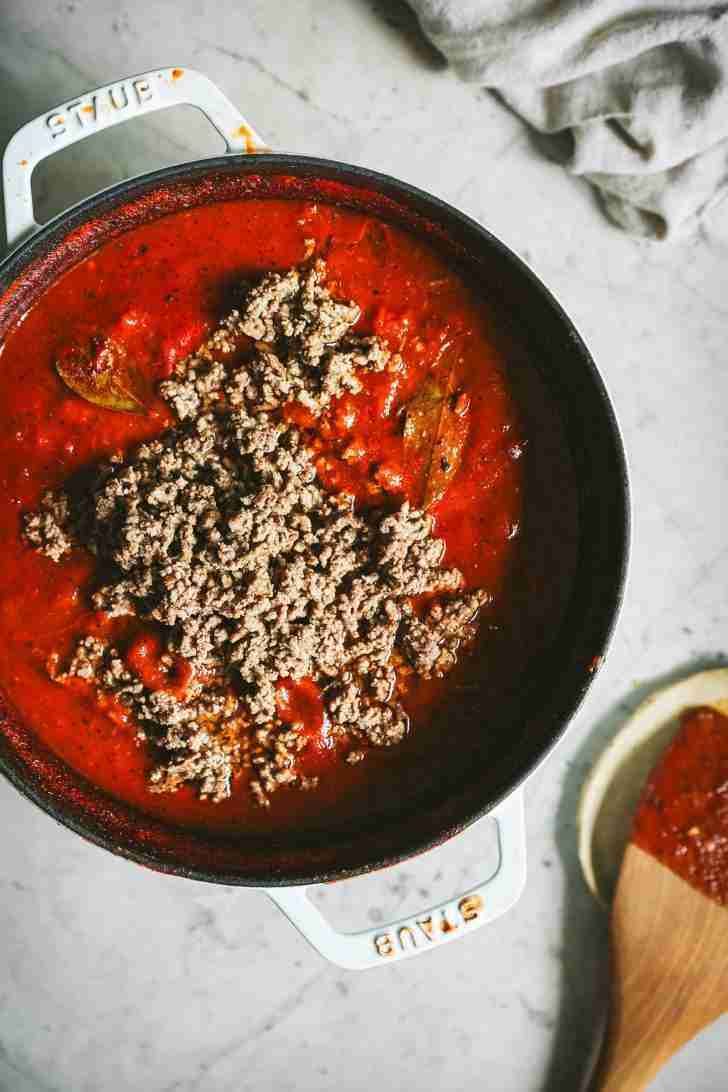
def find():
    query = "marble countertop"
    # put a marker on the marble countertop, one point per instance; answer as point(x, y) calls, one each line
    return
point(114, 979)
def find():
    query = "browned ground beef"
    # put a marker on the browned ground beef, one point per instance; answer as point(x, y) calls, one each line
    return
point(220, 531)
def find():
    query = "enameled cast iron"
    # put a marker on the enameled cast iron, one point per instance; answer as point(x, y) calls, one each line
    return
point(551, 694)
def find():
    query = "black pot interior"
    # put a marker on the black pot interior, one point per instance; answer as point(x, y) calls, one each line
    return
point(554, 688)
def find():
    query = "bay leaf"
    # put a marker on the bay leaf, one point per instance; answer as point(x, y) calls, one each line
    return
point(447, 453)
point(434, 434)
point(422, 416)
point(103, 373)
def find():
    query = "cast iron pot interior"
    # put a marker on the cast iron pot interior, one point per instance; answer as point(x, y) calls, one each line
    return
point(557, 684)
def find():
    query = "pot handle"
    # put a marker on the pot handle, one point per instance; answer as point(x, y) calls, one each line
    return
point(449, 920)
point(100, 109)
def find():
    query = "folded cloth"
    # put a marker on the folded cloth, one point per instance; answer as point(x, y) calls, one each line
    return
point(641, 88)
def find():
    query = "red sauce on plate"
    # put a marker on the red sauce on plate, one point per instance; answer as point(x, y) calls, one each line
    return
point(682, 819)
point(508, 517)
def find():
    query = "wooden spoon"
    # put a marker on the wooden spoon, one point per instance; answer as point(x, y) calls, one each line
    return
point(669, 971)
point(669, 951)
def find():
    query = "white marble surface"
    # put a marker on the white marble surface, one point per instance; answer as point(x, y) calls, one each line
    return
point(113, 979)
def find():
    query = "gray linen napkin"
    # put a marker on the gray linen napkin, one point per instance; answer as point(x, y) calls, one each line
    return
point(641, 88)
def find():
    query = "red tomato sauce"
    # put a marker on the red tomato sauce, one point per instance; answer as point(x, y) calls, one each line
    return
point(682, 819)
point(143, 657)
point(508, 516)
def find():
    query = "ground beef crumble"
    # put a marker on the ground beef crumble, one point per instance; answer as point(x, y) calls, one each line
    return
point(219, 532)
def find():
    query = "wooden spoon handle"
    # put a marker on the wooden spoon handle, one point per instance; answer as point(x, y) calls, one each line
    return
point(628, 1063)
point(669, 971)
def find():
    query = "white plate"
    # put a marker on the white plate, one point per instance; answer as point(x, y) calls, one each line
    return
point(612, 790)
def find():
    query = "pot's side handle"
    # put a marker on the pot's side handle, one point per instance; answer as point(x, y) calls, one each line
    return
point(450, 920)
point(100, 109)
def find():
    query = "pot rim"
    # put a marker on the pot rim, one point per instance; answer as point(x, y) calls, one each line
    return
point(49, 235)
